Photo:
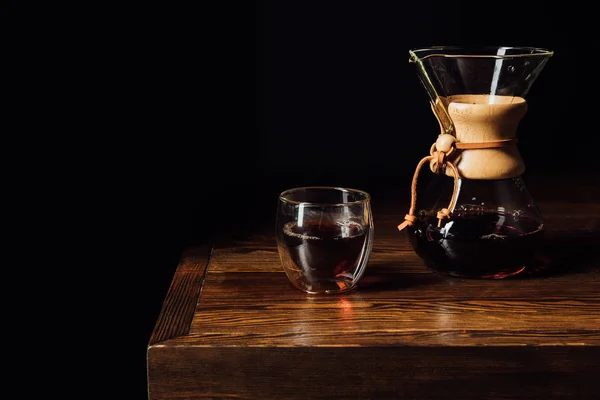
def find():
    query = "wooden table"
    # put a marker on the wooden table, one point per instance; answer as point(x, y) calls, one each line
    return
point(233, 327)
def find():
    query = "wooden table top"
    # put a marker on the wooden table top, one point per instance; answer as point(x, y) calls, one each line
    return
point(232, 326)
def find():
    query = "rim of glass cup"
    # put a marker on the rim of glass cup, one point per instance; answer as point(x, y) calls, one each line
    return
point(367, 196)
point(480, 52)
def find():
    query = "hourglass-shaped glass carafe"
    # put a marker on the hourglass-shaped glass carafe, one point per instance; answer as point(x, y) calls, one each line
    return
point(476, 219)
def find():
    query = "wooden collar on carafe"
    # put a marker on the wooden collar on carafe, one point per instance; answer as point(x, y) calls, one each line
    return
point(444, 146)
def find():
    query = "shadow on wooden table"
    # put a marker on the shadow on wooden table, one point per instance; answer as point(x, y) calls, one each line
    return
point(378, 282)
point(565, 252)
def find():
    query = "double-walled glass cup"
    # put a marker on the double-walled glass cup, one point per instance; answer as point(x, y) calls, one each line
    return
point(324, 237)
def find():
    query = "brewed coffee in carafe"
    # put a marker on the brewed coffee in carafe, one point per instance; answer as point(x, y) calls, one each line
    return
point(475, 218)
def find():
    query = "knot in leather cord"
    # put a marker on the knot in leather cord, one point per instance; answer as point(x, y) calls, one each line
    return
point(409, 220)
point(439, 152)
point(442, 214)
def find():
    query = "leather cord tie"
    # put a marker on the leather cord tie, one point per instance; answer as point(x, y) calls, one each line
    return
point(444, 146)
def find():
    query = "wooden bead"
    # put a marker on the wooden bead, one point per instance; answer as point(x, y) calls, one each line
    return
point(444, 142)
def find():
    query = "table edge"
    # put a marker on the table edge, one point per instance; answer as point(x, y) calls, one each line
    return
point(179, 305)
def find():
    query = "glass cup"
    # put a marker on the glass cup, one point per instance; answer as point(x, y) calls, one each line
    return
point(324, 237)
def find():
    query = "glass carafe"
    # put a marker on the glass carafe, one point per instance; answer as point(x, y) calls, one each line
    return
point(475, 218)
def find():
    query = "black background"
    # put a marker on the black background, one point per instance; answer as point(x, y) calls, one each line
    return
point(187, 118)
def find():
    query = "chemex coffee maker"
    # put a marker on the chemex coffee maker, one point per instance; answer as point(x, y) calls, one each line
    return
point(475, 218)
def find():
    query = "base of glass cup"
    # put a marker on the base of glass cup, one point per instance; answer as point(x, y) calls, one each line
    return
point(325, 286)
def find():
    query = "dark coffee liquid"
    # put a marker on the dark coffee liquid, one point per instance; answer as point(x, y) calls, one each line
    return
point(316, 252)
point(488, 245)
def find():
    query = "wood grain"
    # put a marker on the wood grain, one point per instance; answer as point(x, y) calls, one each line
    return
point(232, 326)
point(178, 308)
point(393, 372)
point(485, 118)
